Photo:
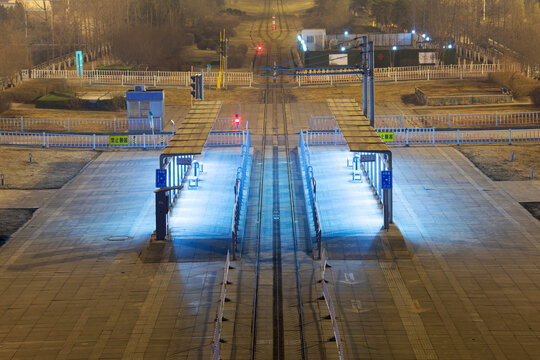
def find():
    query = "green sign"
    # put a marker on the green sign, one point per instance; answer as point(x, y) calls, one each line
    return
point(387, 136)
point(118, 140)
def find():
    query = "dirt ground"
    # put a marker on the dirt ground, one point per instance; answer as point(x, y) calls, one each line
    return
point(494, 160)
point(49, 169)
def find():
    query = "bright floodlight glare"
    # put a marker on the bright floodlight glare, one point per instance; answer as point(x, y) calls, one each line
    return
point(343, 48)
point(424, 36)
point(304, 47)
point(413, 31)
point(346, 33)
point(450, 46)
point(394, 47)
point(428, 38)
point(444, 46)
point(299, 37)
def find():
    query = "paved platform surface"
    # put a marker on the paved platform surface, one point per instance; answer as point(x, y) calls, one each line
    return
point(201, 222)
point(24, 199)
point(470, 290)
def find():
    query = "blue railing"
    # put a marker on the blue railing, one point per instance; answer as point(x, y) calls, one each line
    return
point(312, 188)
point(239, 186)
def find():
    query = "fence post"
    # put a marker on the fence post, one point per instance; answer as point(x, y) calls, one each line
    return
point(22, 126)
point(144, 141)
point(68, 125)
point(114, 123)
point(496, 119)
point(43, 140)
point(509, 136)
point(458, 137)
point(407, 137)
point(433, 136)
point(93, 141)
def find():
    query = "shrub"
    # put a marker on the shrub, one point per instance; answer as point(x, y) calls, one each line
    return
point(5, 101)
point(515, 81)
point(117, 67)
point(535, 96)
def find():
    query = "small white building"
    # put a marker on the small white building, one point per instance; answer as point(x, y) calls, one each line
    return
point(315, 39)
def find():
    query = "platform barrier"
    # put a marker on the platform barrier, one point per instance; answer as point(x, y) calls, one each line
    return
point(216, 343)
point(330, 306)
point(239, 187)
point(312, 189)
point(93, 141)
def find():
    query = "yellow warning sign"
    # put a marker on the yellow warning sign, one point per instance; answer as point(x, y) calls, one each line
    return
point(118, 140)
point(387, 136)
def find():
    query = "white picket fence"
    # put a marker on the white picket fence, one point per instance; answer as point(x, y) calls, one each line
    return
point(434, 72)
point(154, 78)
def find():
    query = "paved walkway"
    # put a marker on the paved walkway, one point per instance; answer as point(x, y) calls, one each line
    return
point(24, 199)
point(470, 290)
point(66, 292)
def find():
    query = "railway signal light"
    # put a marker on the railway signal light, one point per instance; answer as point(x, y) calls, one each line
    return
point(259, 48)
point(237, 121)
point(197, 86)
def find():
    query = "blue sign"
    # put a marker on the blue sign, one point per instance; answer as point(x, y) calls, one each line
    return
point(79, 62)
point(386, 179)
point(161, 178)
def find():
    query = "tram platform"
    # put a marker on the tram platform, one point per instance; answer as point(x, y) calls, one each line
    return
point(351, 217)
point(200, 223)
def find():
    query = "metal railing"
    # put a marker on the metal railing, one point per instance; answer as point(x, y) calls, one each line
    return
point(333, 137)
point(177, 172)
point(372, 170)
point(94, 141)
point(228, 124)
point(80, 125)
point(240, 183)
point(454, 120)
point(23, 124)
point(226, 138)
point(312, 188)
point(216, 343)
point(330, 305)
point(495, 119)
point(432, 72)
point(155, 78)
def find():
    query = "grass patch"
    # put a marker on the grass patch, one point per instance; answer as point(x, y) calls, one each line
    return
point(58, 100)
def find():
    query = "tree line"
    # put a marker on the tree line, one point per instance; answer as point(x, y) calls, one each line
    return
point(509, 25)
point(148, 33)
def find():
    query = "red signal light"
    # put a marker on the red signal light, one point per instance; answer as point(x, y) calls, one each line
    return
point(259, 48)
point(237, 119)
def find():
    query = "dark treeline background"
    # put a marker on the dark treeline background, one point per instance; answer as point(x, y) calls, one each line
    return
point(513, 25)
point(149, 33)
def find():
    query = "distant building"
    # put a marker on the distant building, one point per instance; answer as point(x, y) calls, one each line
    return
point(145, 108)
point(315, 39)
point(8, 3)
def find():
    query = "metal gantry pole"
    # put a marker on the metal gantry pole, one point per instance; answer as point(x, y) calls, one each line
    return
point(371, 86)
point(364, 75)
